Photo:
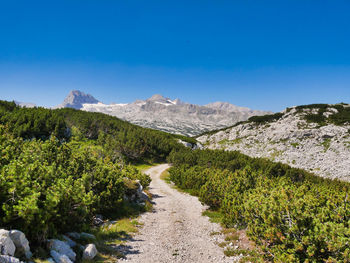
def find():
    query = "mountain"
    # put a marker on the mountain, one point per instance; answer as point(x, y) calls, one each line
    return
point(25, 104)
point(312, 137)
point(76, 99)
point(173, 116)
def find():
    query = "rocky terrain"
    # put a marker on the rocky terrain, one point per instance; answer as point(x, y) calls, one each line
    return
point(14, 246)
point(164, 114)
point(76, 99)
point(315, 138)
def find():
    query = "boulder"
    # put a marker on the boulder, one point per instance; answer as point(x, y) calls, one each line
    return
point(69, 241)
point(21, 243)
point(62, 248)
point(59, 258)
point(90, 252)
point(7, 247)
point(9, 259)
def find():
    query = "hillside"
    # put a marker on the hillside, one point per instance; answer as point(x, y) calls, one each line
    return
point(58, 168)
point(312, 137)
point(173, 116)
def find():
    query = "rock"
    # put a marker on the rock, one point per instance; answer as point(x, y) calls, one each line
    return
point(9, 259)
point(97, 220)
point(90, 252)
point(21, 243)
point(50, 260)
point(69, 241)
point(62, 248)
point(59, 258)
point(7, 247)
point(87, 235)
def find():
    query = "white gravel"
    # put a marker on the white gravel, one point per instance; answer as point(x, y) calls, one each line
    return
point(175, 231)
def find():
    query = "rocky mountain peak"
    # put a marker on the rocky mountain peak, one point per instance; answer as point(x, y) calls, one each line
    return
point(76, 99)
point(158, 98)
point(226, 106)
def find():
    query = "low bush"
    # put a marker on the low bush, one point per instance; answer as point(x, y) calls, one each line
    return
point(48, 187)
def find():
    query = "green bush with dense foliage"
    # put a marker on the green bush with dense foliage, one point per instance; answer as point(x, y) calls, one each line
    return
point(48, 187)
point(293, 215)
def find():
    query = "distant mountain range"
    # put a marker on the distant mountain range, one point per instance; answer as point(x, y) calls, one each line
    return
point(164, 114)
point(25, 104)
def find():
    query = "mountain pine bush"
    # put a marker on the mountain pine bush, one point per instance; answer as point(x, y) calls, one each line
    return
point(293, 215)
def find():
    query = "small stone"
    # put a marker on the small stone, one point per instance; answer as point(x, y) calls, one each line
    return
point(90, 252)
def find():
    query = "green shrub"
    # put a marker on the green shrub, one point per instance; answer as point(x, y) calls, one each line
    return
point(49, 188)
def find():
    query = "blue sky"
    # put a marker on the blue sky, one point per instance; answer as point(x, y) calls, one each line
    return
point(261, 54)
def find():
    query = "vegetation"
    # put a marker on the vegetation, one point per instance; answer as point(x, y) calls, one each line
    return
point(120, 139)
point(341, 117)
point(265, 118)
point(60, 167)
point(49, 188)
point(293, 215)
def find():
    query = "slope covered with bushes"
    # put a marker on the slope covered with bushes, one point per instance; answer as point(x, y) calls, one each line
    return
point(58, 168)
point(293, 215)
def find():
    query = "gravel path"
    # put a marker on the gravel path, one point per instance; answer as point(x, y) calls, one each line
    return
point(175, 231)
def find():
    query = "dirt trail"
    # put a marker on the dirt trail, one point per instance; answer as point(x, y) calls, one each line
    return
point(175, 231)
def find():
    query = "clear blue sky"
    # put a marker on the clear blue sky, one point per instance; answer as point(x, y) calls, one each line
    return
point(261, 54)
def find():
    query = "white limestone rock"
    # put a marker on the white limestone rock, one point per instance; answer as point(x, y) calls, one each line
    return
point(62, 248)
point(90, 252)
point(21, 243)
point(69, 241)
point(59, 258)
point(7, 247)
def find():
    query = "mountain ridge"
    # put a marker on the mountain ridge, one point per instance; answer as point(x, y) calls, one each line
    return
point(163, 113)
